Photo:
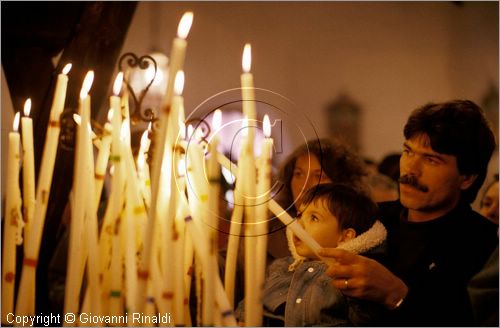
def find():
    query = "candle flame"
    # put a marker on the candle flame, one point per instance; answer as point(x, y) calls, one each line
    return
point(190, 131)
point(27, 107)
point(217, 119)
point(244, 127)
point(150, 125)
point(228, 176)
point(140, 161)
point(87, 84)
point(179, 83)
point(144, 140)
point(267, 126)
point(117, 86)
point(246, 62)
point(77, 119)
point(182, 129)
point(15, 124)
point(198, 134)
point(67, 68)
point(181, 167)
point(112, 170)
point(185, 25)
point(110, 114)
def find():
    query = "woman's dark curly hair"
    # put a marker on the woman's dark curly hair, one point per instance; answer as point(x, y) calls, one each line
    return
point(337, 161)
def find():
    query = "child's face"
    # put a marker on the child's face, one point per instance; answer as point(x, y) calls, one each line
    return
point(321, 224)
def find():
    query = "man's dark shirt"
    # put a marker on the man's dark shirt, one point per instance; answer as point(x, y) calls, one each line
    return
point(436, 260)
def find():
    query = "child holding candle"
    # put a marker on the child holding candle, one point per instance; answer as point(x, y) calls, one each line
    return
point(297, 292)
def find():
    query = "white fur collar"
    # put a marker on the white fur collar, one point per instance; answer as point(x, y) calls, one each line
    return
point(368, 240)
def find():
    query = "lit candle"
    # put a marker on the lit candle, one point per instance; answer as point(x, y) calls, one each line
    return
point(13, 218)
point(248, 93)
point(80, 189)
point(25, 304)
point(177, 55)
point(143, 167)
point(28, 170)
point(277, 210)
point(93, 136)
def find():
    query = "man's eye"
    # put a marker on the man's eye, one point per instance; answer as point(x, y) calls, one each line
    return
point(297, 174)
point(314, 218)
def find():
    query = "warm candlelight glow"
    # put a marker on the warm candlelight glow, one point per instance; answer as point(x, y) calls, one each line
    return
point(198, 135)
point(181, 167)
point(140, 161)
point(217, 120)
point(15, 125)
point(182, 129)
point(190, 131)
point(144, 140)
point(228, 176)
point(110, 114)
point(77, 119)
point(117, 86)
point(125, 131)
point(150, 125)
point(66, 69)
point(267, 126)
point(27, 107)
point(244, 127)
point(247, 58)
point(87, 84)
point(185, 25)
point(179, 83)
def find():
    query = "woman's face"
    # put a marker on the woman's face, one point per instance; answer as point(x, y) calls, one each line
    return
point(489, 203)
point(306, 174)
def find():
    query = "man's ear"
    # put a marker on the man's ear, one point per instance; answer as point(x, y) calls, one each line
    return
point(467, 181)
point(348, 234)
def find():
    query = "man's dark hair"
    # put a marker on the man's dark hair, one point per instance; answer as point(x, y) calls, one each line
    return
point(353, 209)
point(457, 128)
point(337, 161)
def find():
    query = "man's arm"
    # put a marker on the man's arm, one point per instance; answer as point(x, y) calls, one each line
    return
point(361, 277)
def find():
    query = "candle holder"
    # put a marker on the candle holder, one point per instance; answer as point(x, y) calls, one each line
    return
point(139, 114)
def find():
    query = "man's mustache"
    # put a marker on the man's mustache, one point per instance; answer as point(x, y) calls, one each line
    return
point(412, 181)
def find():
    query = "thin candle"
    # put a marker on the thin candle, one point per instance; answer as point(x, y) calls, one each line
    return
point(28, 171)
point(26, 294)
point(177, 56)
point(13, 218)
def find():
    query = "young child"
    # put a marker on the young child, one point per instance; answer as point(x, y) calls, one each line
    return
point(297, 292)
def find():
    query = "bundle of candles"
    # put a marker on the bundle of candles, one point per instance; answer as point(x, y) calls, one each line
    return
point(160, 225)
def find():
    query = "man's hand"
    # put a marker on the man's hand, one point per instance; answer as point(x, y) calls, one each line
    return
point(364, 278)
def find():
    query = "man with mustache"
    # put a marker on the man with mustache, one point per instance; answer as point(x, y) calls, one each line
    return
point(436, 242)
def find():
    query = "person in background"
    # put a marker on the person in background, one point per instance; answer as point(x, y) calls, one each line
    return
point(382, 188)
point(389, 165)
point(489, 202)
point(436, 242)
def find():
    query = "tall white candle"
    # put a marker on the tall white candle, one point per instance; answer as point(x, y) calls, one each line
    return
point(177, 55)
point(28, 171)
point(263, 196)
point(80, 190)
point(25, 304)
point(248, 93)
point(13, 218)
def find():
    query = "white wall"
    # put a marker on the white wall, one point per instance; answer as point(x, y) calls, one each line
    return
point(390, 57)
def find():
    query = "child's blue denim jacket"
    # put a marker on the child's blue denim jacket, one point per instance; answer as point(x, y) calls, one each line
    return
point(304, 296)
